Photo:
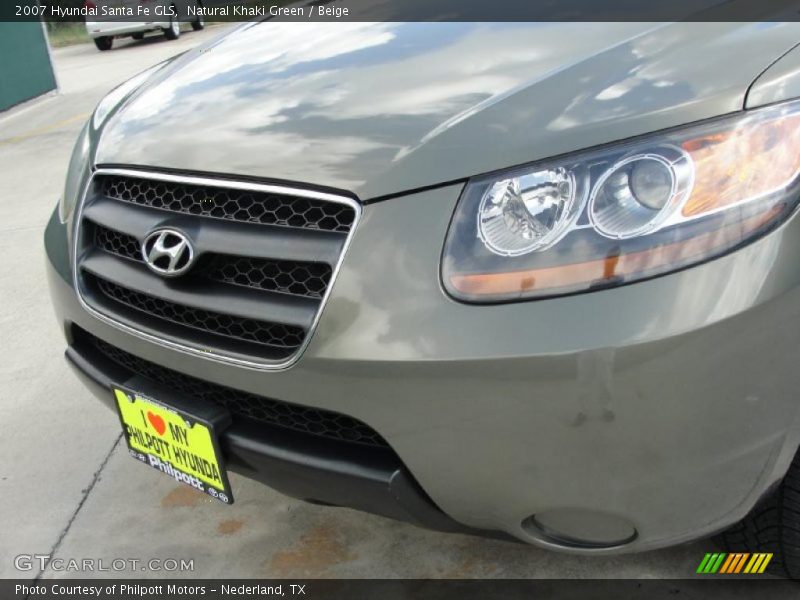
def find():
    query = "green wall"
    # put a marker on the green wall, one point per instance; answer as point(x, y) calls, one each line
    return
point(25, 69)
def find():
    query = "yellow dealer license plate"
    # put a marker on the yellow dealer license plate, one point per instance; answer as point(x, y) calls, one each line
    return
point(177, 444)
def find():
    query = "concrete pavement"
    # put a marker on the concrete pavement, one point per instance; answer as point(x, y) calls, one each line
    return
point(67, 486)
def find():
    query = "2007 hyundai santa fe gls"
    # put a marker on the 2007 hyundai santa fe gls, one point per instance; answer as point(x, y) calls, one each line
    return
point(538, 281)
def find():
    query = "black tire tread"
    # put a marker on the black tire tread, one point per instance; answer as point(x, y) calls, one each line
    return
point(168, 33)
point(772, 526)
point(199, 24)
point(104, 43)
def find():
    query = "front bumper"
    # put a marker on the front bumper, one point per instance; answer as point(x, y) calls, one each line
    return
point(306, 467)
point(624, 419)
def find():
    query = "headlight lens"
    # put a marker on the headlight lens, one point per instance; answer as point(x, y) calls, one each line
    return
point(526, 213)
point(626, 212)
point(636, 195)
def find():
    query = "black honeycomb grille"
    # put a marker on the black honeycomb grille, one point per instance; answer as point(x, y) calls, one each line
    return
point(290, 277)
point(259, 332)
point(244, 206)
point(117, 243)
point(303, 419)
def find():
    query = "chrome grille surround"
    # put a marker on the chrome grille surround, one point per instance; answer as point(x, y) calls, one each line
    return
point(170, 340)
point(229, 203)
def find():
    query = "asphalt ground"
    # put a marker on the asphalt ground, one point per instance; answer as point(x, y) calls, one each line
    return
point(67, 485)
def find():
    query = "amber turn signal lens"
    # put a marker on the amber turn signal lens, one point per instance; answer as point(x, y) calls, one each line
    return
point(605, 271)
point(742, 164)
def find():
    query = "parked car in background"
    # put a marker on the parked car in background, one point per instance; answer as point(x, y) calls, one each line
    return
point(167, 18)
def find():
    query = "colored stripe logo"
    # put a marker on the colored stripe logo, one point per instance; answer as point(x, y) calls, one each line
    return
point(734, 563)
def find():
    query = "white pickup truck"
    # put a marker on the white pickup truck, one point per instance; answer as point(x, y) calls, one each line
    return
point(111, 19)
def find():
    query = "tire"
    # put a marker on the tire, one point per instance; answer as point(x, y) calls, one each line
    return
point(200, 22)
point(173, 32)
point(138, 36)
point(772, 526)
point(104, 43)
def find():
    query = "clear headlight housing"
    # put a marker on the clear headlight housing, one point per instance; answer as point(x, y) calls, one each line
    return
point(624, 212)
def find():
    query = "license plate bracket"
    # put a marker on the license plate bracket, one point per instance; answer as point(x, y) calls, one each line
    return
point(175, 434)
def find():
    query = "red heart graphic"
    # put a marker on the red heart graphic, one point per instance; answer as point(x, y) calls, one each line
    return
point(157, 422)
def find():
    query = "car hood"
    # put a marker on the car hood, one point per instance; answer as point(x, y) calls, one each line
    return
point(382, 108)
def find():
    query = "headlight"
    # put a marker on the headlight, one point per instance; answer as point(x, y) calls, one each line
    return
point(624, 212)
point(526, 213)
point(76, 173)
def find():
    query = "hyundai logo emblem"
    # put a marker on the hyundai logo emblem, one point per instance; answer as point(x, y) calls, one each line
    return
point(168, 252)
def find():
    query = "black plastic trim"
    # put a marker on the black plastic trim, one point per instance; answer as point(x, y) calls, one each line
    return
point(317, 470)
